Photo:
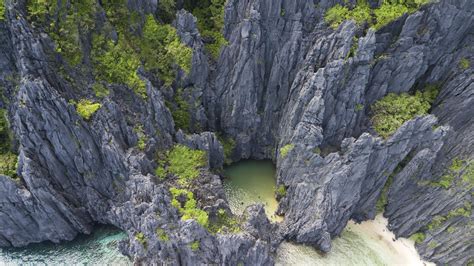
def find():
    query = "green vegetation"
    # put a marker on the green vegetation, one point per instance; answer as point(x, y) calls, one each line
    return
point(142, 138)
point(225, 223)
point(100, 90)
point(184, 201)
point(438, 220)
point(383, 199)
point(195, 245)
point(167, 9)
point(286, 149)
point(117, 63)
point(87, 108)
point(359, 107)
point(8, 164)
point(141, 238)
point(161, 48)
point(2, 10)
point(388, 13)
point(210, 16)
point(183, 162)
point(162, 236)
point(64, 22)
point(180, 112)
point(5, 137)
point(458, 167)
point(390, 112)
point(418, 237)
point(377, 18)
point(154, 45)
point(280, 191)
point(464, 63)
point(8, 160)
point(228, 145)
point(336, 15)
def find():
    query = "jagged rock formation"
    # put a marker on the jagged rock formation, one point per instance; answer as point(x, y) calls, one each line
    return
point(284, 78)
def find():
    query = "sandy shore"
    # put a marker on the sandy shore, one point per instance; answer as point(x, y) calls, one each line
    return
point(368, 243)
point(398, 252)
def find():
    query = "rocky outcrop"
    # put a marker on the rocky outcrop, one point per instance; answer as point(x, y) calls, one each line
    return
point(284, 79)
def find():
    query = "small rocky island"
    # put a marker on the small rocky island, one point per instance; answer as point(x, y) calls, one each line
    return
point(125, 113)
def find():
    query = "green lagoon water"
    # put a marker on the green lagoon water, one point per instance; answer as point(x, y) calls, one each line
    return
point(99, 248)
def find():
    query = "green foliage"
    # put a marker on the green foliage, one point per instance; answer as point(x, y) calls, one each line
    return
point(228, 145)
point(180, 112)
point(168, 9)
point(464, 63)
point(468, 175)
point(161, 172)
point(418, 237)
point(8, 164)
point(359, 107)
point(117, 63)
point(438, 220)
point(38, 9)
point(336, 15)
point(142, 138)
point(87, 108)
point(141, 238)
point(188, 208)
point(100, 90)
point(458, 167)
point(225, 223)
point(64, 21)
point(383, 199)
point(162, 236)
point(2, 10)
point(8, 160)
point(362, 13)
point(390, 112)
point(210, 15)
point(280, 191)
point(183, 162)
point(286, 149)
point(161, 49)
point(5, 136)
point(195, 245)
point(388, 13)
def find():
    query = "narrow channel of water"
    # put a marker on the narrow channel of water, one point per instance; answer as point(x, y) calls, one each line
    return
point(99, 248)
point(368, 243)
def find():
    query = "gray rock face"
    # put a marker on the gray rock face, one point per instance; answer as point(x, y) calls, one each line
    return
point(285, 78)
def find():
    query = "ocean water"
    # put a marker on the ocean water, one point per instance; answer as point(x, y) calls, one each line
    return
point(98, 248)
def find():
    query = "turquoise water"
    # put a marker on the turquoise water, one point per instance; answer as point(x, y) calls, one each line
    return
point(99, 248)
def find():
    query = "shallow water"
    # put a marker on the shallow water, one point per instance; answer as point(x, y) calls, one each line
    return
point(250, 182)
point(368, 243)
point(99, 248)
